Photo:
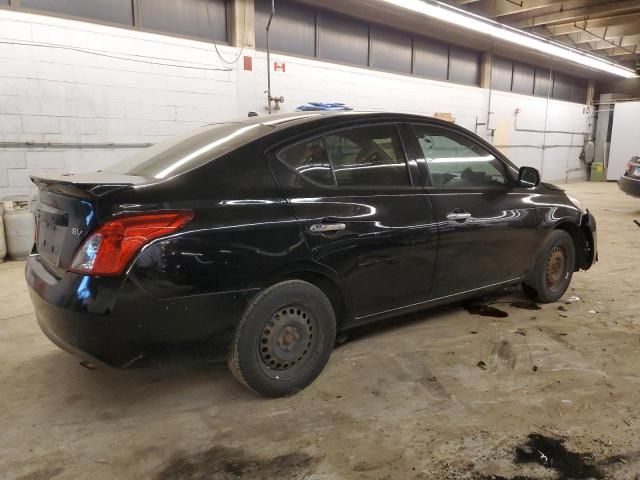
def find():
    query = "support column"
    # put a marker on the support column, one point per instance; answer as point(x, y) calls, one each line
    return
point(591, 92)
point(242, 25)
point(485, 70)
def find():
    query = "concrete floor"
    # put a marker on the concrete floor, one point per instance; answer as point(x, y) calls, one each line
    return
point(399, 401)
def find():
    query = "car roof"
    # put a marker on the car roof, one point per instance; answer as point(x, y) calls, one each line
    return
point(282, 120)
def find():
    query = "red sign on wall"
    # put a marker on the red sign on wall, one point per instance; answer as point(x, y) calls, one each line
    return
point(280, 67)
point(248, 63)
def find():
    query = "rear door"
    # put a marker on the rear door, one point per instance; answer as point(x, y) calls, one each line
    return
point(363, 212)
point(487, 223)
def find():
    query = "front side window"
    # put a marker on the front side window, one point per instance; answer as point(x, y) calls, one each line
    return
point(369, 156)
point(456, 161)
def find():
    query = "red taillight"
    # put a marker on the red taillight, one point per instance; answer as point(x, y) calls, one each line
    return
point(110, 248)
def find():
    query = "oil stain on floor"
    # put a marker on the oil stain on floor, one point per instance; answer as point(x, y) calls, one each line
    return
point(224, 463)
point(486, 311)
point(526, 305)
point(551, 453)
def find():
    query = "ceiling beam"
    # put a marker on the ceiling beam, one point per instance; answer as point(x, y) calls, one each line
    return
point(598, 39)
point(630, 23)
point(606, 10)
point(616, 51)
point(626, 43)
point(631, 60)
point(503, 8)
point(626, 32)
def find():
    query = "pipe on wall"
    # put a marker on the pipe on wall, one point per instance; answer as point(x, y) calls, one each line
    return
point(94, 146)
point(517, 129)
point(541, 147)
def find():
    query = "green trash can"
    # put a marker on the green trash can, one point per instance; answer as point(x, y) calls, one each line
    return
point(597, 172)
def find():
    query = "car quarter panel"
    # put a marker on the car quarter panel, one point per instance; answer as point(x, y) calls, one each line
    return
point(242, 234)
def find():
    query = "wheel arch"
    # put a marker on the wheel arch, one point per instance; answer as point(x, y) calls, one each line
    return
point(337, 295)
point(579, 242)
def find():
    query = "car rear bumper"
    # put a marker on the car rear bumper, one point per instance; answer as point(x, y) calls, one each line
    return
point(114, 321)
point(629, 185)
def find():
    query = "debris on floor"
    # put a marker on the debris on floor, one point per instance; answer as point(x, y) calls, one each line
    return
point(482, 365)
point(573, 299)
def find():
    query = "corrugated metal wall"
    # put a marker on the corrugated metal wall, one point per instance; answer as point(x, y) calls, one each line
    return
point(206, 19)
point(510, 76)
point(194, 18)
point(113, 11)
point(353, 41)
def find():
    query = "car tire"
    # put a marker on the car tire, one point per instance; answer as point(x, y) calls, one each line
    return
point(284, 339)
point(553, 269)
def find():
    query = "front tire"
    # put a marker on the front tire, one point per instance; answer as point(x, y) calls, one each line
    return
point(284, 339)
point(553, 270)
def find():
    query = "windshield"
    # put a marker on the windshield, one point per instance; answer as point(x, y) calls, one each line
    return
point(190, 150)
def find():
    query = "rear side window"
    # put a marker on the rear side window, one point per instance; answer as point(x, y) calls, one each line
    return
point(456, 161)
point(369, 156)
point(191, 150)
point(310, 161)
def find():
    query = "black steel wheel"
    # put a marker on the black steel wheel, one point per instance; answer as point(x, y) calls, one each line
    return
point(287, 338)
point(556, 268)
point(553, 269)
point(284, 339)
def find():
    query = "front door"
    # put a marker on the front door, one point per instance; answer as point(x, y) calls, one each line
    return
point(486, 224)
point(364, 213)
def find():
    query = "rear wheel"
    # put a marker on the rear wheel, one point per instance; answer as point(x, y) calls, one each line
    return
point(553, 269)
point(284, 339)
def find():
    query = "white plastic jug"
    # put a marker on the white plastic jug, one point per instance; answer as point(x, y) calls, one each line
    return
point(19, 225)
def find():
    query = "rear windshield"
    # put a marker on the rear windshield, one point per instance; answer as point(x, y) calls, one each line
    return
point(189, 151)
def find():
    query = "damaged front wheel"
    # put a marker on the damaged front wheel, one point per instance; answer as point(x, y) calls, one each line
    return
point(553, 270)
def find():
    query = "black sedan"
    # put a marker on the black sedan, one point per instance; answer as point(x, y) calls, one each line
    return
point(629, 183)
point(282, 231)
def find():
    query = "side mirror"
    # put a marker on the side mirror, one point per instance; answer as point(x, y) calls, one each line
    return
point(528, 177)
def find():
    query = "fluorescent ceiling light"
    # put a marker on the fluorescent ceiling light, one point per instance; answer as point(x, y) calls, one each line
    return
point(456, 16)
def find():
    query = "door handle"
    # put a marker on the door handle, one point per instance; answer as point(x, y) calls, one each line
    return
point(458, 216)
point(327, 227)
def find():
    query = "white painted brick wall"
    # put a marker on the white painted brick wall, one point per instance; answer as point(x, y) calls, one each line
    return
point(62, 95)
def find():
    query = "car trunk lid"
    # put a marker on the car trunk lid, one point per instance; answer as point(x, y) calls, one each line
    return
point(67, 210)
